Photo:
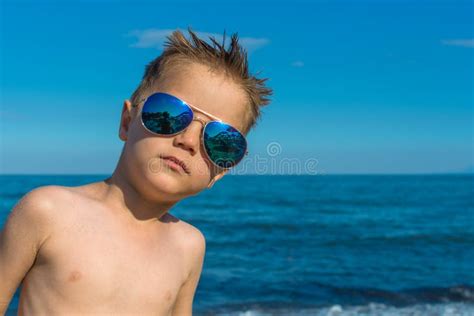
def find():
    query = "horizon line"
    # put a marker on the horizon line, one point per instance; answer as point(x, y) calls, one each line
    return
point(268, 174)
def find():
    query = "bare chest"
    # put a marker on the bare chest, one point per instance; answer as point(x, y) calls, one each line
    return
point(97, 264)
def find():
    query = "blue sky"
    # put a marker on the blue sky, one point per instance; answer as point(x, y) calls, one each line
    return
point(359, 86)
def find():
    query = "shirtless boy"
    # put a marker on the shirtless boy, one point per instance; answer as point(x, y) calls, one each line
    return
point(111, 247)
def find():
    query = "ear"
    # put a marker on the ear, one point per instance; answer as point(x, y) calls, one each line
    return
point(217, 178)
point(125, 120)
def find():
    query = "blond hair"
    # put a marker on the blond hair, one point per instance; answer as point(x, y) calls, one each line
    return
point(233, 62)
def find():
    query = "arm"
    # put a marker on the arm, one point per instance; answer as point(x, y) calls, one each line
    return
point(21, 237)
point(183, 305)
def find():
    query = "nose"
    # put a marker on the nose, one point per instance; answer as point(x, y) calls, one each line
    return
point(189, 139)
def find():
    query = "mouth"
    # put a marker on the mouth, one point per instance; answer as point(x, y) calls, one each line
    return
point(177, 162)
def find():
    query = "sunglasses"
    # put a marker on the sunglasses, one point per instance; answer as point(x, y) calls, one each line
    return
point(164, 114)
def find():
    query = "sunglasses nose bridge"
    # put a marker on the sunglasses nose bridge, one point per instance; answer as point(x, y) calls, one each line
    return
point(200, 121)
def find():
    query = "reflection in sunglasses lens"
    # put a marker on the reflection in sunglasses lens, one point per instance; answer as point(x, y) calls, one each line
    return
point(224, 144)
point(165, 114)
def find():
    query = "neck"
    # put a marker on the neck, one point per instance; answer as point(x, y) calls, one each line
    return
point(119, 193)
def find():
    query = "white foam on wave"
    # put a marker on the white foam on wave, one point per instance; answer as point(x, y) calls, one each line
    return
point(372, 309)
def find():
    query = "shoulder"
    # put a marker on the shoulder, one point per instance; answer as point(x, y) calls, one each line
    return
point(40, 202)
point(191, 241)
point(189, 235)
point(36, 212)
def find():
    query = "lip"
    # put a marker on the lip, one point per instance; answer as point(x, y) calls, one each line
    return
point(178, 162)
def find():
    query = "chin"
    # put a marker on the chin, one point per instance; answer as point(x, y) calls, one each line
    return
point(167, 183)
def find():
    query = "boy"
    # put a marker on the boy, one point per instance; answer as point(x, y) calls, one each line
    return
point(111, 247)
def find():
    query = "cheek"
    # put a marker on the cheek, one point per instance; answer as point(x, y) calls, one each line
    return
point(145, 144)
point(142, 155)
point(205, 168)
point(200, 170)
point(136, 135)
point(145, 149)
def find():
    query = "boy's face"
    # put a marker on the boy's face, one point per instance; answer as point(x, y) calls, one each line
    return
point(195, 84)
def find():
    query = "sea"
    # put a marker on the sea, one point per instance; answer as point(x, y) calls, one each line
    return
point(322, 244)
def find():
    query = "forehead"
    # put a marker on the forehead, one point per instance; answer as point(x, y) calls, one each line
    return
point(212, 92)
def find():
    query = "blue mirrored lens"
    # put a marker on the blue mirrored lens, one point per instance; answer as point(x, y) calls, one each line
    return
point(224, 144)
point(164, 114)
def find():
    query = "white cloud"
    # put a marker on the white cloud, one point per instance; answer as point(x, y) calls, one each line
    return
point(149, 38)
point(157, 37)
point(459, 42)
point(252, 43)
point(297, 63)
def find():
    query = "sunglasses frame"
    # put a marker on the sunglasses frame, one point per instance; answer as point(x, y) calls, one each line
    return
point(204, 123)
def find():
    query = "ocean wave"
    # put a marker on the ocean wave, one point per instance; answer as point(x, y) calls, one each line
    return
point(429, 301)
point(372, 309)
point(459, 293)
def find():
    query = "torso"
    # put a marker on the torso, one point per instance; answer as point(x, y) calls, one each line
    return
point(97, 262)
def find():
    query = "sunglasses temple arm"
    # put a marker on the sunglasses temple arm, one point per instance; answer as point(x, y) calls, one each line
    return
point(136, 104)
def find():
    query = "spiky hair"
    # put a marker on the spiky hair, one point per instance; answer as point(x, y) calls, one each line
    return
point(233, 62)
